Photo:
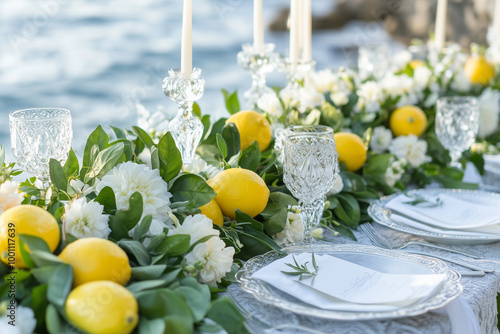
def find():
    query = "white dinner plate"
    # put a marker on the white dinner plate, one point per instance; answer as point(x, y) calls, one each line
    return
point(386, 261)
point(382, 215)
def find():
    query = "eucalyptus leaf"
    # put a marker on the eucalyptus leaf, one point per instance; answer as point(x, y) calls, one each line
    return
point(60, 285)
point(137, 250)
point(144, 136)
point(57, 175)
point(191, 188)
point(170, 157)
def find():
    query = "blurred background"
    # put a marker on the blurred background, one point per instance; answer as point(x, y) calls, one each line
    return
point(99, 58)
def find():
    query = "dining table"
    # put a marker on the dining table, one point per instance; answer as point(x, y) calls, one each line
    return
point(479, 292)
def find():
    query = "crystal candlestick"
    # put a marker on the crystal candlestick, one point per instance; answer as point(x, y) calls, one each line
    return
point(298, 75)
point(259, 62)
point(185, 128)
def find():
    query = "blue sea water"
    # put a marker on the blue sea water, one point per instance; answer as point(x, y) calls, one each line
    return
point(98, 58)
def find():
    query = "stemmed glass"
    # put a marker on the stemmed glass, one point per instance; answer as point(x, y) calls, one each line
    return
point(309, 173)
point(38, 135)
point(457, 124)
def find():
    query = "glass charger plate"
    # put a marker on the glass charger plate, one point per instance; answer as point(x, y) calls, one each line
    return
point(375, 258)
point(382, 215)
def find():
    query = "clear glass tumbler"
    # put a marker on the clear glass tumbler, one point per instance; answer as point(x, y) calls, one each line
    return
point(38, 135)
point(457, 124)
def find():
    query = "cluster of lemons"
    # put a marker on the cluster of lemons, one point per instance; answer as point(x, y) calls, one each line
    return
point(99, 303)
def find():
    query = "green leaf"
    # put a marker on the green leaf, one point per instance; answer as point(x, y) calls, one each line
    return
point(143, 229)
point(71, 166)
point(43, 274)
point(42, 258)
point(254, 242)
point(154, 326)
point(175, 325)
point(160, 303)
point(106, 160)
point(216, 128)
point(198, 300)
point(196, 109)
point(250, 157)
point(32, 243)
point(281, 198)
point(191, 187)
point(231, 135)
point(55, 324)
point(148, 272)
point(221, 144)
point(39, 304)
point(170, 157)
point(119, 133)
point(155, 158)
point(175, 245)
point(137, 250)
point(242, 217)
point(146, 285)
point(347, 210)
point(98, 137)
point(276, 215)
point(231, 101)
point(57, 175)
point(107, 199)
point(143, 136)
point(60, 285)
point(226, 314)
point(129, 218)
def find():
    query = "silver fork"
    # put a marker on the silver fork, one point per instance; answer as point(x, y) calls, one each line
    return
point(388, 246)
point(378, 241)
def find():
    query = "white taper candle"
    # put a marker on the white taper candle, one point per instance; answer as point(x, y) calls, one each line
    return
point(187, 43)
point(294, 31)
point(307, 31)
point(440, 32)
point(496, 19)
point(258, 25)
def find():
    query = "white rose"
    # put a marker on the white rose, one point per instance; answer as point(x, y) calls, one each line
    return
point(381, 139)
point(339, 98)
point(10, 195)
point(461, 82)
point(338, 185)
point(270, 104)
point(85, 220)
point(293, 232)
point(324, 80)
point(200, 167)
point(197, 227)
point(488, 112)
point(422, 76)
point(309, 99)
point(25, 321)
point(410, 148)
point(216, 258)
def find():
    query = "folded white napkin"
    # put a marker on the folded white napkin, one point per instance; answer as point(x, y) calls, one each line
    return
point(454, 213)
point(345, 286)
point(462, 318)
point(486, 230)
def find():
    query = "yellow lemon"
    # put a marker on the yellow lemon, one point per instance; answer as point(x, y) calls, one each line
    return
point(408, 120)
point(416, 63)
point(102, 307)
point(95, 259)
point(479, 70)
point(252, 126)
point(212, 211)
point(241, 189)
point(25, 219)
point(351, 150)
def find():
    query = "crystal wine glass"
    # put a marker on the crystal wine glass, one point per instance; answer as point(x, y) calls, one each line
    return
point(38, 135)
point(309, 173)
point(457, 124)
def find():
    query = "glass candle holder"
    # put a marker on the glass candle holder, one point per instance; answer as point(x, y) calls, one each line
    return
point(186, 129)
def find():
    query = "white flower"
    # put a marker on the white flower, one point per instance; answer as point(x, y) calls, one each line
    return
point(145, 157)
point(401, 60)
point(370, 95)
point(85, 220)
point(197, 227)
point(410, 148)
point(461, 82)
point(317, 233)
point(270, 104)
point(148, 121)
point(10, 195)
point(381, 139)
point(217, 260)
point(324, 80)
point(338, 185)
point(200, 167)
point(339, 98)
point(128, 178)
point(488, 112)
point(290, 97)
point(395, 171)
point(293, 231)
point(80, 188)
point(431, 100)
point(24, 320)
point(399, 86)
point(422, 76)
point(309, 99)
